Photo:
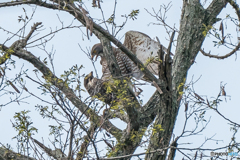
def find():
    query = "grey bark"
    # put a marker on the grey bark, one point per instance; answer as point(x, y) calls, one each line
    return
point(189, 41)
point(7, 154)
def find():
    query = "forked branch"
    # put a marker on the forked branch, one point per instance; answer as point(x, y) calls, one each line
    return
point(236, 7)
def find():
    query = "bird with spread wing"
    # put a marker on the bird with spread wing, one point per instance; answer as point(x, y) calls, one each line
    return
point(141, 45)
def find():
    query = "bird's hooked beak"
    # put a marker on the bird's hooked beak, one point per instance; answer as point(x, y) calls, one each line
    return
point(93, 55)
point(91, 74)
point(97, 49)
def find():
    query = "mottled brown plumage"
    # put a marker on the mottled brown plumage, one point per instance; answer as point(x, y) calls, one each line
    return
point(97, 88)
point(126, 65)
point(141, 45)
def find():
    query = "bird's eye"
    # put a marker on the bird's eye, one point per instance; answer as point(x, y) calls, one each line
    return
point(94, 51)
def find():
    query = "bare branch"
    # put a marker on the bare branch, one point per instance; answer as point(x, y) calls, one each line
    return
point(88, 20)
point(161, 151)
point(221, 57)
point(211, 8)
point(158, 88)
point(34, 27)
point(20, 43)
point(14, 3)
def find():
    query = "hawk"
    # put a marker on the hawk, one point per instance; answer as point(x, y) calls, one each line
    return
point(141, 45)
point(99, 89)
point(96, 88)
point(145, 49)
point(126, 65)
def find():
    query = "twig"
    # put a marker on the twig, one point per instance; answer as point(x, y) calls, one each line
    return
point(221, 57)
point(158, 88)
point(130, 155)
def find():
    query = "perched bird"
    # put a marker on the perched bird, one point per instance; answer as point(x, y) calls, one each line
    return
point(96, 88)
point(106, 91)
point(145, 49)
point(126, 65)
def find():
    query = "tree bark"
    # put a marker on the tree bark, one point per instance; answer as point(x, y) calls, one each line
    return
point(193, 19)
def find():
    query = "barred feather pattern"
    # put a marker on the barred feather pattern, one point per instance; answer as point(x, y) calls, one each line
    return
point(126, 65)
point(140, 44)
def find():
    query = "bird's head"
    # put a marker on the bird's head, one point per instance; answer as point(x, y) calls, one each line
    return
point(97, 50)
point(88, 78)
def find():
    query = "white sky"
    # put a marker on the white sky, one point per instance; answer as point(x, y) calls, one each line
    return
point(212, 71)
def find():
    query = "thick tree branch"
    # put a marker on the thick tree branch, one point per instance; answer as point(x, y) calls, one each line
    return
point(189, 41)
point(119, 115)
point(186, 52)
point(14, 3)
point(214, 9)
point(150, 110)
point(37, 2)
point(235, 6)
point(6, 154)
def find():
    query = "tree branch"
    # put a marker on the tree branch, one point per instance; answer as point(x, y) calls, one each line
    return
point(14, 3)
point(235, 6)
point(138, 154)
point(87, 139)
point(6, 154)
point(57, 153)
point(59, 83)
point(214, 8)
point(37, 2)
point(20, 43)
point(211, 8)
point(221, 57)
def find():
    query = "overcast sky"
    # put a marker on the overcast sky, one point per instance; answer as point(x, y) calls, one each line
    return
point(68, 53)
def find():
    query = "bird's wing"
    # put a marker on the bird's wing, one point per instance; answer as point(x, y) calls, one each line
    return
point(143, 47)
point(127, 66)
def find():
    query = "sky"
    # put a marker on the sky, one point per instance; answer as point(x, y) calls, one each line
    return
point(212, 72)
